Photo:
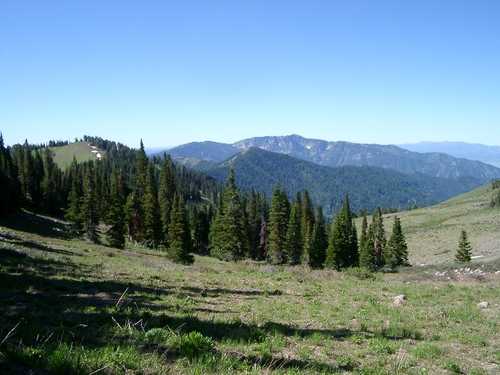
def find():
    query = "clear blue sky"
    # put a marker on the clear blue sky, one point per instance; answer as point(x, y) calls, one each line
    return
point(177, 71)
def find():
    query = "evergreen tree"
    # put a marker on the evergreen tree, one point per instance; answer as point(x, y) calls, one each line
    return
point(293, 243)
point(88, 207)
point(397, 249)
point(229, 239)
point(278, 222)
point(367, 250)
point(179, 241)
point(151, 210)
point(343, 243)
point(73, 214)
point(379, 238)
point(116, 214)
point(166, 193)
point(135, 204)
point(464, 252)
point(263, 240)
point(306, 225)
point(319, 244)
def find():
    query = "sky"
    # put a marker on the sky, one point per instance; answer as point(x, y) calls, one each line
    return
point(172, 72)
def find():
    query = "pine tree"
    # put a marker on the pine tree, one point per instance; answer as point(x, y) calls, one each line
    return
point(293, 243)
point(367, 250)
point(464, 252)
point(319, 244)
point(73, 214)
point(306, 225)
point(228, 235)
point(151, 210)
point(89, 206)
point(166, 193)
point(397, 249)
point(116, 217)
point(379, 238)
point(343, 243)
point(278, 222)
point(135, 204)
point(179, 240)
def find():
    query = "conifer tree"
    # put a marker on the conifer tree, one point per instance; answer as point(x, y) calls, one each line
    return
point(151, 210)
point(228, 235)
point(379, 238)
point(397, 249)
point(306, 225)
point(166, 193)
point(263, 240)
point(135, 203)
point(319, 244)
point(89, 206)
point(73, 214)
point(116, 214)
point(293, 243)
point(343, 243)
point(464, 252)
point(367, 250)
point(278, 222)
point(179, 240)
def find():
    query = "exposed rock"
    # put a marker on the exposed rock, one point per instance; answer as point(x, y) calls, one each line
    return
point(483, 305)
point(399, 300)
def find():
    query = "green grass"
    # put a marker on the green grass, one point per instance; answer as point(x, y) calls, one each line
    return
point(78, 308)
point(433, 232)
point(63, 155)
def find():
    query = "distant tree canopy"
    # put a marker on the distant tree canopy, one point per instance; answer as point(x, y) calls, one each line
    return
point(128, 197)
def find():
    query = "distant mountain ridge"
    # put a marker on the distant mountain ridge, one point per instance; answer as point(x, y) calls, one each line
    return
point(338, 154)
point(472, 151)
point(368, 187)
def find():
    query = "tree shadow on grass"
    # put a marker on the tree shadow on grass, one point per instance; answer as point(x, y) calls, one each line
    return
point(9, 238)
point(61, 302)
point(37, 224)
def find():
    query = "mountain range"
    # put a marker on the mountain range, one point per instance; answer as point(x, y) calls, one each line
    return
point(374, 175)
point(472, 151)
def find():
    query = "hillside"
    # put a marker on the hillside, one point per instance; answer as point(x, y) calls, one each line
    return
point(368, 187)
point(336, 154)
point(82, 151)
point(433, 232)
point(486, 154)
point(71, 307)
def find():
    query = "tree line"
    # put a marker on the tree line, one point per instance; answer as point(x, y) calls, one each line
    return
point(127, 196)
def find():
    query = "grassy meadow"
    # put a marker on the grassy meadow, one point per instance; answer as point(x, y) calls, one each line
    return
point(70, 307)
point(63, 155)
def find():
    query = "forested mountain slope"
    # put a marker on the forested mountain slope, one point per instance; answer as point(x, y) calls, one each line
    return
point(368, 187)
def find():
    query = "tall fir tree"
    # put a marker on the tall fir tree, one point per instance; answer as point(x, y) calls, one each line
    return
point(319, 244)
point(179, 240)
point(229, 240)
point(88, 207)
point(379, 238)
point(151, 210)
point(464, 251)
point(73, 214)
point(278, 222)
point(367, 249)
point(293, 243)
point(116, 215)
point(343, 243)
point(135, 204)
point(166, 193)
point(306, 225)
point(397, 249)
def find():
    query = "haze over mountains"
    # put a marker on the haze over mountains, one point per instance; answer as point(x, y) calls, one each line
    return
point(472, 151)
point(373, 174)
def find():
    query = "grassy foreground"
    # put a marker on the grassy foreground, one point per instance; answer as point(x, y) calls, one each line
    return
point(69, 307)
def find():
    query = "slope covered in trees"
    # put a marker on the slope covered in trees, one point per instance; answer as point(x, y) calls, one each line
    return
point(368, 187)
